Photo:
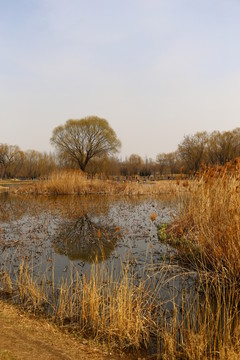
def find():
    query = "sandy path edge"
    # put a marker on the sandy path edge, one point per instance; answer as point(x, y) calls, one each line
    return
point(23, 337)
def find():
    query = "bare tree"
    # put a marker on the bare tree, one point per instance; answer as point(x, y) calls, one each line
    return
point(11, 160)
point(224, 146)
point(192, 150)
point(85, 139)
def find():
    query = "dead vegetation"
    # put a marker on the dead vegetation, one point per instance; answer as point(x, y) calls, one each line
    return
point(76, 183)
point(125, 312)
point(208, 228)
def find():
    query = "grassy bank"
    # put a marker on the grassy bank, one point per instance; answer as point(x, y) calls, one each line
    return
point(116, 309)
point(76, 182)
point(207, 231)
point(126, 311)
point(207, 236)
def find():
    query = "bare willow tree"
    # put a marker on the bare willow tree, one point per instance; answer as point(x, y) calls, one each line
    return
point(223, 146)
point(11, 160)
point(168, 163)
point(209, 148)
point(37, 164)
point(192, 150)
point(135, 163)
point(79, 141)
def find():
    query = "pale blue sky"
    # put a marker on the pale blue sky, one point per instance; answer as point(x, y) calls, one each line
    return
point(155, 69)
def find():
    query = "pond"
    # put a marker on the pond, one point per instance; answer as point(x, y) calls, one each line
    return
point(59, 237)
point(64, 238)
point(82, 230)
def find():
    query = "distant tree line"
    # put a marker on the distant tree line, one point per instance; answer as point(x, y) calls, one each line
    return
point(97, 156)
point(209, 148)
point(24, 164)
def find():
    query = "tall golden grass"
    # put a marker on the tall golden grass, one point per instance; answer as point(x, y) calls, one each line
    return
point(209, 223)
point(206, 327)
point(127, 313)
point(76, 182)
point(112, 307)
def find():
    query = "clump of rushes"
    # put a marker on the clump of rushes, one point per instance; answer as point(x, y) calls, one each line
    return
point(126, 312)
point(203, 328)
point(209, 222)
point(114, 307)
point(69, 182)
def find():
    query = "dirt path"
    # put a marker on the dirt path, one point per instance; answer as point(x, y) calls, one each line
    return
point(22, 337)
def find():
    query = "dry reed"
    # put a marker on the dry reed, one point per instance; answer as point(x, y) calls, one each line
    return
point(114, 308)
point(76, 182)
point(209, 224)
point(125, 312)
point(206, 327)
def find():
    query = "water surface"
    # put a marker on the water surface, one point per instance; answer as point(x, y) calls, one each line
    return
point(78, 230)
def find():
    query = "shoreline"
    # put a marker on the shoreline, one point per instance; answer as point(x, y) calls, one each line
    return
point(25, 336)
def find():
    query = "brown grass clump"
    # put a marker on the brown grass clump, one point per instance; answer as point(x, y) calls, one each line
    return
point(30, 292)
point(3, 188)
point(113, 308)
point(210, 220)
point(126, 313)
point(77, 182)
point(206, 327)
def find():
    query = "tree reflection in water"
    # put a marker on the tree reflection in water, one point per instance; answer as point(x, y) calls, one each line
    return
point(83, 239)
point(73, 218)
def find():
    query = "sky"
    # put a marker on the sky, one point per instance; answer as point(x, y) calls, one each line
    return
point(155, 69)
